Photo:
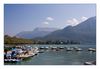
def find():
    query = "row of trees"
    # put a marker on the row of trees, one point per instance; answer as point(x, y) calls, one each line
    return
point(55, 42)
point(15, 40)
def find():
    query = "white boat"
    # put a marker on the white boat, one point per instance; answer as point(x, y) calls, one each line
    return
point(78, 49)
point(29, 53)
point(12, 60)
point(42, 48)
point(92, 49)
point(69, 49)
point(90, 63)
point(61, 47)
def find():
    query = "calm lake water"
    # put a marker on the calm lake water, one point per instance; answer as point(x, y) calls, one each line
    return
point(61, 57)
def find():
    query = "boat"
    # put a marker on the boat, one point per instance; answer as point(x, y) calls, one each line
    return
point(53, 47)
point(18, 54)
point(78, 49)
point(46, 47)
point(61, 47)
point(28, 53)
point(42, 48)
point(25, 55)
point(12, 60)
point(90, 63)
point(69, 49)
point(92, 49)
point(41, 51)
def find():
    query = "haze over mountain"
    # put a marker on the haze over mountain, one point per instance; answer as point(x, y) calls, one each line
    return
point(84, 32)
point(37, 32)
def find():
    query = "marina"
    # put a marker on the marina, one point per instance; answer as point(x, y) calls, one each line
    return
point(49, 34)
point(50, 55)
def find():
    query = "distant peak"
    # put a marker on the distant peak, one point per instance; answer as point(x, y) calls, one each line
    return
point(45, 29)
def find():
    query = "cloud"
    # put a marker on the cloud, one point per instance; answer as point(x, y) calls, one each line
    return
point(46, 23)
point(49, 19)
point(74, 21)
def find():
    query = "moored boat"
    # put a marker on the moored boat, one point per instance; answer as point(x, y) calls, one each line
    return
point(69, 49)
point(90, 63)
point(78, 49)
point(92, 49)
point(41, 47)
point(61, 47)
point(12, 60)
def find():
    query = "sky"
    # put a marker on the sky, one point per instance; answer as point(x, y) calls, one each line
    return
point(27, 17)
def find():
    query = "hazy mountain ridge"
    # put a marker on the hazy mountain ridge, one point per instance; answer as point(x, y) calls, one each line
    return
point(85, 32)
point(37, 32)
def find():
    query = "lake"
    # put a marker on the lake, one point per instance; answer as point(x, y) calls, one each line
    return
point(61, 57)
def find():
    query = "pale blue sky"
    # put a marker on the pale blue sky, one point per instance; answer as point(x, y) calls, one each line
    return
point(26, 17)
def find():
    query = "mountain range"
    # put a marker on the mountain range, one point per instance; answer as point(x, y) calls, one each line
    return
point(37, 32)
point(85, 33)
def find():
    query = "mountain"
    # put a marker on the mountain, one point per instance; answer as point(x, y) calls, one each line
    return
point(84, 32)
point(37, 32)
